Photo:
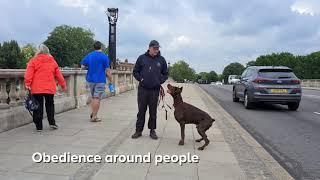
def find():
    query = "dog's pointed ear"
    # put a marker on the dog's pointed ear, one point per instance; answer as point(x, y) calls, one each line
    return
point(181, 89)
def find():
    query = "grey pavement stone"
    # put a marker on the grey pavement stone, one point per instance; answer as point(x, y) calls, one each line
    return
point(131, 168)
point(112, 136)
point(64, 169)
point(5, 145)
point(118, 176)
point(217, 156)
point(171, 170)
point(31, 176)
point(215, 147)
point(171, 146)
point(225, 171)
point(26, 148)
point(60, 149)
point(10, 162)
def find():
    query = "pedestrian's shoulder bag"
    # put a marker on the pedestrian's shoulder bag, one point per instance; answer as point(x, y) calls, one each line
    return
point(30, 103)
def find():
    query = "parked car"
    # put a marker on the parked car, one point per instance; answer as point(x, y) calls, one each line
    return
point(218, 83)
point(232, 79)
point(272, 84)
point(235, 80)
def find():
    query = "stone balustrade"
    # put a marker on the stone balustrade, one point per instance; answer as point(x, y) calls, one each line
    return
point(12, 92)
point(311, 83)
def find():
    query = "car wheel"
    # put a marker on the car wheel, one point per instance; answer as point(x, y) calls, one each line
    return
point(247, 103)
point(293, 106)
point(234, 96)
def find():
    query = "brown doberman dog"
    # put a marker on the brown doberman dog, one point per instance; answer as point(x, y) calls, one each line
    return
point(187, 114)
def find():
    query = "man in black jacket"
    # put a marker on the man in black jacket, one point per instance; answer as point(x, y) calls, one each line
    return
point(151, 71)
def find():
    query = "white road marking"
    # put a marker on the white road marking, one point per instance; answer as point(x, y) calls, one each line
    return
point(317, 113)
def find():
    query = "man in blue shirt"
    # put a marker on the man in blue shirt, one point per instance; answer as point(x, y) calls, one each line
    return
point(97, 63)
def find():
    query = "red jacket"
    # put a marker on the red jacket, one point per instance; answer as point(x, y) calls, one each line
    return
point(42, 73)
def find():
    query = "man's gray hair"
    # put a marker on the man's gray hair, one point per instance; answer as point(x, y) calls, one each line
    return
point(42, 49)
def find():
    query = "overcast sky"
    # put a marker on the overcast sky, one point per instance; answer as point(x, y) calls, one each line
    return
point(207, 34)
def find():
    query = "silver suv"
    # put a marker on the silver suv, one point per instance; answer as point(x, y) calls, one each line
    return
point(272, 84)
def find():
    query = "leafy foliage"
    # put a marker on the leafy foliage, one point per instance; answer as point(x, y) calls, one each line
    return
point(181, 70)
point(10, 55)
point(28, 51)
point(68, 45)
point(305, 67)
point(232, 69)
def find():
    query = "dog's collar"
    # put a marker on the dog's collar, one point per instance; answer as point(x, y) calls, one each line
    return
point(177, 101)
point(176, 104)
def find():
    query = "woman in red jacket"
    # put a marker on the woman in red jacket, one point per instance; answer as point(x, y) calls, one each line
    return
point(40, 78)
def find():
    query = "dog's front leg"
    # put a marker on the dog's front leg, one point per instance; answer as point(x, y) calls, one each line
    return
point(181, 142)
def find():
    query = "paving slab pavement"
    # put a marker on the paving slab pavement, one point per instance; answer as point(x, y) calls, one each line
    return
point(231, 154)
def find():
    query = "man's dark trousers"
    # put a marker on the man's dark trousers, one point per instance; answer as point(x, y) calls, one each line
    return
point(147, 98)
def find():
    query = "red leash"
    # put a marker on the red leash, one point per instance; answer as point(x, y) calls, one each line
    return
point(162, 94)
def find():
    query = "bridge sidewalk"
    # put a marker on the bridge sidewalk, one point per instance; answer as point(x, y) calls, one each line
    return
point(232, 153)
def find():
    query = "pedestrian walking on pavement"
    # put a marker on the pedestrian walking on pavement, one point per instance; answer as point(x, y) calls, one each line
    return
point(40, 79)
point(151, 71)
point(97, 64)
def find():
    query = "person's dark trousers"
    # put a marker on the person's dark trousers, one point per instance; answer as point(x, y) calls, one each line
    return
point(38, 114)
point(147, 98)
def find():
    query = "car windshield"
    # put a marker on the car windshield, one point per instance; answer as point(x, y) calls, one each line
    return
point(276, 73)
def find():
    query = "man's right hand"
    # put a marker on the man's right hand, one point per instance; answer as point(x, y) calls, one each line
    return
point(28, 88)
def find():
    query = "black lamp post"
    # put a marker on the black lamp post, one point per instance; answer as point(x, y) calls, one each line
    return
point(169, 68)
point(112, 14)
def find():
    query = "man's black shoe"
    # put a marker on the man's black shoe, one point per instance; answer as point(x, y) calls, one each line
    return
point(136, 135)
point(153, 134)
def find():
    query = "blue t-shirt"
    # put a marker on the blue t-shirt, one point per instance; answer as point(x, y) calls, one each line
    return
point(97, 63)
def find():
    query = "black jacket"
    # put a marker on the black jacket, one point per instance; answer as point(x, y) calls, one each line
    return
point(150, 71)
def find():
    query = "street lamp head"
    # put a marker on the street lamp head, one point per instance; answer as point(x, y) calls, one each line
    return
point(112, 14)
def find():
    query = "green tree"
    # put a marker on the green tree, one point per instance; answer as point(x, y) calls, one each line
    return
point(251, 63)
point(181, 70)
point(69, 44)
point(1, 57)
point(276, 59)
point(305, 67)
point(311, 66)
point(106, 50)
point(28, 51)
point(208, 77)
point(232, 69)
point(204, 76)
point(213, 76)
point(10, 55)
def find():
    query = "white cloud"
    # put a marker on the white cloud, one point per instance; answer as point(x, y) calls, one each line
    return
point(306, 7)
point(207, 35)
point(85, 5)
point(178, 42)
